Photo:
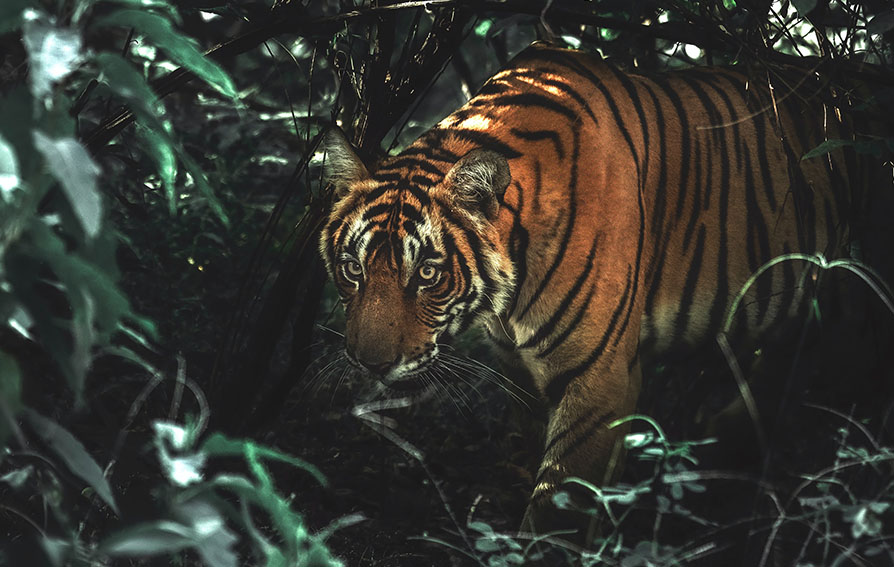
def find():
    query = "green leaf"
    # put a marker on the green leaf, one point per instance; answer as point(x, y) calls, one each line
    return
point(23, 270)
point(72, 453)
point(9, 170)
point(879, 507)
point(162, 150)
point(562, 500)
point(865, 522)
point(487, 545)
point(481, 527)
point(10, 394)
point(16, 125)
point(147, 327)
point(159, 5)
point(76, 172)
point(826, 147)
point(881, 23)
point(676, 491)
point(180, 469)
point(874, 147)
point(179, 47)
point(128, 354)
point(151, 538)
point(214, 541)
point(218, 445)
point(200, 527)
point(89, 284)
point(125, 81)
point(11, 14)
point(53, 54)
point(202, 184)
point(58, 550)
point(18, 477)
point(483, 27)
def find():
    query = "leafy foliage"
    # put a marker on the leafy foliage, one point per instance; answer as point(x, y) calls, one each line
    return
point(103, 227)
point(61, 294)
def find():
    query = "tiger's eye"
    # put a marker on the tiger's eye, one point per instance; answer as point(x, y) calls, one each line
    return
point(352, 268)
point(428, 273)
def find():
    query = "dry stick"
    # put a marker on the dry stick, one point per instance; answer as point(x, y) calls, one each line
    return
point(235, 336)
point(179, 384)
point(135, 407)
point(385, 426)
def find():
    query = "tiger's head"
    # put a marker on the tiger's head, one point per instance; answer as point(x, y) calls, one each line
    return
point(414, 257)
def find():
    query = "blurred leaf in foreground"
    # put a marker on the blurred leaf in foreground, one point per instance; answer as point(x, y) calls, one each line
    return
point(75, 170)
point(53, 52)
point(9, 170)
point(179, 47)
point(72, 453)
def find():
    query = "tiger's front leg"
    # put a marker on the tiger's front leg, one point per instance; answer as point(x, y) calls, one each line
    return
point(579, 442)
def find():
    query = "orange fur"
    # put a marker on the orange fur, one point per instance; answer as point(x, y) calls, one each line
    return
point(637, 208)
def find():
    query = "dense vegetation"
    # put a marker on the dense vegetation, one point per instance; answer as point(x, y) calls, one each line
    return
point(170, 387)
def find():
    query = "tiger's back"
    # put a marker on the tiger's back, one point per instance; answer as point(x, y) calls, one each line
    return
point(590, 218)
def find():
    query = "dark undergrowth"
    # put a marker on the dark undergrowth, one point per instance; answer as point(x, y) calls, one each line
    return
point(171, 389)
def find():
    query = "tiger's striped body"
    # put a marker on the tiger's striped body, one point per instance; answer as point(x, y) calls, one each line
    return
point(636, 210)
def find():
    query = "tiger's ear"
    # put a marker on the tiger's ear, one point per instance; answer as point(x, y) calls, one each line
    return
point(480, 179)
point(341, 166)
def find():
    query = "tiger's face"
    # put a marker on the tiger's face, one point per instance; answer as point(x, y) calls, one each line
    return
point(413, 262)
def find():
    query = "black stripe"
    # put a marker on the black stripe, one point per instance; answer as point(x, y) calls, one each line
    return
point(571, 326)
point(399, 165)
point(758, 241)
point(437, 137)
point(422, 180)
point(715, 120)
point(571, 216)
point(411, 213)
point(661, 185)
point(545, 329)
point(555, 390)
point(610, 100)
point(584, 436)
point(539, 135)
point(493, 88)
point(699, 190)
point(721, 297)
point(523, 99)
point(377, 210)
point(600, 421)
point(760, 128)
point(518, 245)
point(633, 95)
point(459, 260)
point(684, 313)
point(640, 198)
point(661, 213)
point(428, 153)
point(376, 241)
point(474, 242)
point(537, 188)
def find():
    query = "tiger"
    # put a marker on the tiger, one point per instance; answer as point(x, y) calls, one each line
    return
point(589, 219)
